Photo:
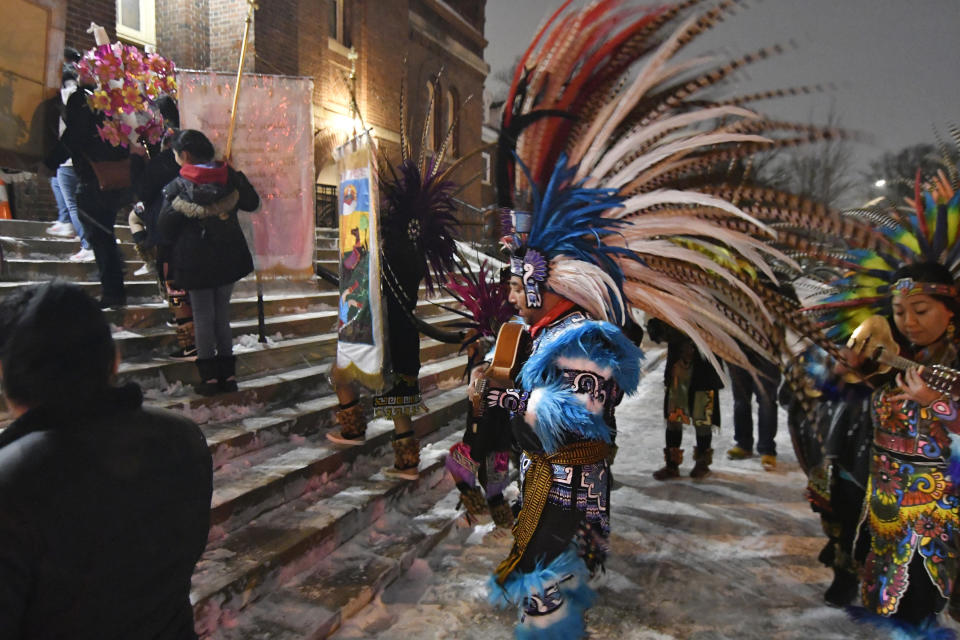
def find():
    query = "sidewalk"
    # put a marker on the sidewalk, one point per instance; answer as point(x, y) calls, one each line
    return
point(731, 556)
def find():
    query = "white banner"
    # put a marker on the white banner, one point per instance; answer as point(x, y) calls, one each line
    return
point(273, 146)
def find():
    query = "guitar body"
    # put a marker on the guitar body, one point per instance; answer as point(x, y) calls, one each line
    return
point(509, 354)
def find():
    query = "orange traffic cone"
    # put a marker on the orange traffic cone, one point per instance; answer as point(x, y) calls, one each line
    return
point(5, 213)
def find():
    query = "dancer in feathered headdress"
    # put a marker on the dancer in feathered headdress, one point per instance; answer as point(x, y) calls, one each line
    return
point(418, 232)
point(910, 506)
point(613, 168)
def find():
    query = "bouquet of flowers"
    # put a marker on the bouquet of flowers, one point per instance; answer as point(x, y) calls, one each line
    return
point(128, 82)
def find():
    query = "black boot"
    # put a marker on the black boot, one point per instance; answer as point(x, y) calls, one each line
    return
point(226, 374)
point(842, 590)
point(208, 369)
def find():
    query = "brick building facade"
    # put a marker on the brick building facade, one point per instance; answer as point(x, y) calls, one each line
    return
point(434, 46)
point(394, 40)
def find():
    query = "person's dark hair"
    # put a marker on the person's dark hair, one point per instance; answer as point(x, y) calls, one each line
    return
point(195, 143)
point(932, 272)
point(169, 111)
point(55, 345)
point(71, 55)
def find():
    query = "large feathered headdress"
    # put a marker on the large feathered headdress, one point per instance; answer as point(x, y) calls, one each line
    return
point(925, 230)
point(623, 158)
point(419, 197)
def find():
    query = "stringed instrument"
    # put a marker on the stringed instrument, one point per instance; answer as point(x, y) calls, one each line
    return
point(509, 354)
point(874, 339)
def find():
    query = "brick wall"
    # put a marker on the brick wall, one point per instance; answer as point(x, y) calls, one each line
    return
point(183, 32)
point(80, 13)
point(278, 36)
point(226, 19)
point(292, 38)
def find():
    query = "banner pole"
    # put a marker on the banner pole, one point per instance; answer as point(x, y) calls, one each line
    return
point(252, 5)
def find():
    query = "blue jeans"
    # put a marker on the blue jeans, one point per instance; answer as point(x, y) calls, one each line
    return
point(211, 321)
point(63, 215)
point(744, 388)
point(67, 179)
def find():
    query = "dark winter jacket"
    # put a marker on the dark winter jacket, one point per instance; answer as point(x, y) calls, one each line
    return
point(703, 377)
point(149, 177)
point(81, 141)
point(104, 512)
point(199, 218)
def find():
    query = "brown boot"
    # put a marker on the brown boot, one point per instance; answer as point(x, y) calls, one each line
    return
point(673, 457)
point(473, 500)
point(406, 457)
point(353, 425)
point(703, 459)
point(501, 513)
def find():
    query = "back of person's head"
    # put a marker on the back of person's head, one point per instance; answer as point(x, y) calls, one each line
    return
point(167, 107)
point(195, 143)
point(71, 55)
point(55, 345)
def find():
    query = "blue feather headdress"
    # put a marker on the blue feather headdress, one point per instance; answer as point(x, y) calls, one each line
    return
point(560, 244)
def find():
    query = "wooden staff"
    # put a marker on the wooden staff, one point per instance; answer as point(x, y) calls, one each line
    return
point(251, 7)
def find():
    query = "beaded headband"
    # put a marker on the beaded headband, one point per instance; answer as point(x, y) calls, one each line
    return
point(908, 287)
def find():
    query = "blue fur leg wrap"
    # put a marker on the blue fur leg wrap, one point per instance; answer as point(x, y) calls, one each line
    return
point(568, 574)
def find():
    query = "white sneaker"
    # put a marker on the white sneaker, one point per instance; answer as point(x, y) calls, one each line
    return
point(84, 255)
point(144, 270)
point(61, 229)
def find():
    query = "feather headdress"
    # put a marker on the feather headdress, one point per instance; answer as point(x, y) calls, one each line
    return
point(419, 197)
point(926, 230)
point(609, 136)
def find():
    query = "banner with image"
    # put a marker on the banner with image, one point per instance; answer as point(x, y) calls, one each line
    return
point(273, 146)
point(361, 347)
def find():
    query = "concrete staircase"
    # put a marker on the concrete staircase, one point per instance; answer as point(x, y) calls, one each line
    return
point(303, 532)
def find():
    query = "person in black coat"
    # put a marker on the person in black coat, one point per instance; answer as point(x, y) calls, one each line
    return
point(149, 177)
point(199, 219)
point(98, 207)
point(691, 395)
point(104, 504)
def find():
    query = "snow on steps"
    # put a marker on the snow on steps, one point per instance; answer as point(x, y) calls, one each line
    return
point(286, 546)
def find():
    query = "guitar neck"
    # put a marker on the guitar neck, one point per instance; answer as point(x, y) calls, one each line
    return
point(895, 361)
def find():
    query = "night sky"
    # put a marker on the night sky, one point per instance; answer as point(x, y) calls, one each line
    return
point(896, 63)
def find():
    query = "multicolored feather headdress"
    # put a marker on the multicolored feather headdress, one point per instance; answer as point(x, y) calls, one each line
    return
point(927, 230)
point(624, 160)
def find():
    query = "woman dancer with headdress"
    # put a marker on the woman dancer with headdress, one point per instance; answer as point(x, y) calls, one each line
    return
point(910, 527)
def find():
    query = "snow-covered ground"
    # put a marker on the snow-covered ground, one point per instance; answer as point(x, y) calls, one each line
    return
point(730, 556)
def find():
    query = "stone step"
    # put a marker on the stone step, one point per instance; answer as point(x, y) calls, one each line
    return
point(148, 315)
point(269, 477)
point(244, 565)
point(56, 248)
point(145, 289)
point(45, 269)
point(281, 408)
point(37, 229)
point(350, 578)
point(157, 314)
point(151, 342)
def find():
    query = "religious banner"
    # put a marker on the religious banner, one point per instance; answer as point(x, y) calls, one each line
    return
point(360, 331)
point(273, 146)
point(31, 62)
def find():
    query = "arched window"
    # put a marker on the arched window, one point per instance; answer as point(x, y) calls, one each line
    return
point(450, 112)
point(431, 122)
